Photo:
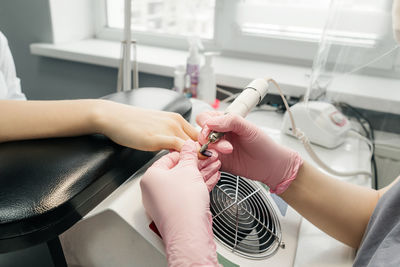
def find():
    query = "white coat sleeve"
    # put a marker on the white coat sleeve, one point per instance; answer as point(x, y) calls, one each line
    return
point(9, 82)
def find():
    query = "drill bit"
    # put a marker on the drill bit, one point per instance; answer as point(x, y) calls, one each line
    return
point(212, 138)
point(204, 147)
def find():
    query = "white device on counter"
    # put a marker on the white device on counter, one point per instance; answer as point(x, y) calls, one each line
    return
point(319, 119)
point(207, 87)
point(118, 231)
point(251, 96)
point(321, 122)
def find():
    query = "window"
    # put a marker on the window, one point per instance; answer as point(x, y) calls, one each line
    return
point(284, 19)
point(305, 19)
point(274, 28)
point(173, 17)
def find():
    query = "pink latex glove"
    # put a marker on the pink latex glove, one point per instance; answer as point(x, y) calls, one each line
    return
point(175, 195)
point(254, 154)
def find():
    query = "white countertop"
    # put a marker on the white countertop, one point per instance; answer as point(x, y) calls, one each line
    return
point(357, 90)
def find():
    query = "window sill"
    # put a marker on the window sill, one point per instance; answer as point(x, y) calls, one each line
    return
point(231, 72)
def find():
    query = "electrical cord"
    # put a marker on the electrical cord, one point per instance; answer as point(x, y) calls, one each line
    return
point(265, 107)
point(229, 98)
point(362, 120)
point(354, 133)
point(226, 92)
point(230, 95)
point(306, 142)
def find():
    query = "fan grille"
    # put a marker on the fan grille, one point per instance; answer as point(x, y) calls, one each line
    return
point(243, 218)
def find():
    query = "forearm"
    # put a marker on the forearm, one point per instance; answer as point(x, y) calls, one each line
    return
point(42, 119)
point(340, 209)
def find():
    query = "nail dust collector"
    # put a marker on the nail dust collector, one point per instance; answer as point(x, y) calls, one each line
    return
point(251, 228)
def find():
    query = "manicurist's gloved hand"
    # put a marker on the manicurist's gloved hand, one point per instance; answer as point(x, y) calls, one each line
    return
point(175, 195)
point(255, 155)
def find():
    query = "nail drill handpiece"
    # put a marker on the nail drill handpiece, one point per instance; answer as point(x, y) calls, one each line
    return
point(250, 97)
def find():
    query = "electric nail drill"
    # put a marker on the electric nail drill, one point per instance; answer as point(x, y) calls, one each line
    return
point(251, 96)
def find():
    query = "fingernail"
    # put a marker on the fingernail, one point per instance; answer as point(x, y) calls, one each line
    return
point(207, 153)
point(226, 146)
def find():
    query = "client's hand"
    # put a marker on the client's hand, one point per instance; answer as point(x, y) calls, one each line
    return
point(175, 195)
point(255, 155)
point(143, 129)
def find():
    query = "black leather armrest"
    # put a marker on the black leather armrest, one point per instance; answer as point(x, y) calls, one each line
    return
point(47, 185)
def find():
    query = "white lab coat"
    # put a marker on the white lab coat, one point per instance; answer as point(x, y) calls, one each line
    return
point(10, 85)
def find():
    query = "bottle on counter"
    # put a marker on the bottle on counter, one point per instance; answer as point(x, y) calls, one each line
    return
point(193, 63)
point(207, 87)
point(187, 88)
point(179, 79)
